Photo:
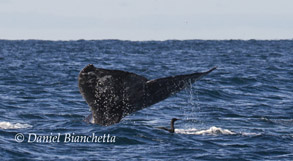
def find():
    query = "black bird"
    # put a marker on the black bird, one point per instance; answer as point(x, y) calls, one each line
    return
point(172, 126)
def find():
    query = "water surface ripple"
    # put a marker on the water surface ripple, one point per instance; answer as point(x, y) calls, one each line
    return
point(241, 111)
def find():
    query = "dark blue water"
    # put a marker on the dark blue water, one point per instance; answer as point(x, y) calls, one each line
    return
point(241, 111)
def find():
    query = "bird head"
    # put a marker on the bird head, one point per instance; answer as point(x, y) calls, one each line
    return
point(175, 119)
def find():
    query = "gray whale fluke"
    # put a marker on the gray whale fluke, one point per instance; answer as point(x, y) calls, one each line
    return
point(113, 94)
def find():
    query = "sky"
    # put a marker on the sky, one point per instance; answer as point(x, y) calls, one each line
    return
point(146, 19)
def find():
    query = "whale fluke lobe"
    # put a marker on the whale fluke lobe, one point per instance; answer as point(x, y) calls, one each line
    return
point(113, 94)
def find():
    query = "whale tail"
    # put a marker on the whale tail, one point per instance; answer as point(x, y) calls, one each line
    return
point(162, 88)
point(113, 94)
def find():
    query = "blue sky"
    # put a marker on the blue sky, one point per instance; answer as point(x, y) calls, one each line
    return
point(146, 19)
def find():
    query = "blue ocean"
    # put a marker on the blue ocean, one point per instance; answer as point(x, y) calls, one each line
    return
point(243, 110)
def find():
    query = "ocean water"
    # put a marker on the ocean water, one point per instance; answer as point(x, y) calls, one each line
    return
point(241, 111)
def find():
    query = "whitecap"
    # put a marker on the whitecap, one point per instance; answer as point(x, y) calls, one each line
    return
point(211, 131)
point(250, 134)
point(9, 125)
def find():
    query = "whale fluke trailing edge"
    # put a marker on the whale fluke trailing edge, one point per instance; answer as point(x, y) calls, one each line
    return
point(113, 94)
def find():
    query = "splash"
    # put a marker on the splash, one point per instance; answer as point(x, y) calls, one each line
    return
point(211, 131)
point(8, 125)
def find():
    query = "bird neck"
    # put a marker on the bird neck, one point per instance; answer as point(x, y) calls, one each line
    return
point(172, 126)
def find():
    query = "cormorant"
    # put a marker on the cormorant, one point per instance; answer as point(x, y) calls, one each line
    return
point(172, 126)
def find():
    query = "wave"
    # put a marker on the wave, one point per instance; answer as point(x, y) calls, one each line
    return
point(211, 131)
point(9, 125)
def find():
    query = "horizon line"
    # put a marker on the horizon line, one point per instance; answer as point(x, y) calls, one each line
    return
point(146, 40)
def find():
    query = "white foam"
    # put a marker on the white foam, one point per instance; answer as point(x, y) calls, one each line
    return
point(250, 134)
point(211, 131)
point(8, 125)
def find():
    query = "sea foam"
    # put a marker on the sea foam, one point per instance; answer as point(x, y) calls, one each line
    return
point(211, 131)
point(9, 125)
